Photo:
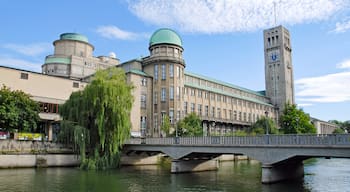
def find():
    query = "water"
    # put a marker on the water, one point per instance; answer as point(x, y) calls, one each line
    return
point(320, 175)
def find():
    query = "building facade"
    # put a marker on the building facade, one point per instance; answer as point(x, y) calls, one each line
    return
point(163, 87)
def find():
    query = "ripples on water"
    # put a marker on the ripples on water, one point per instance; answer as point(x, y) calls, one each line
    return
point(321, 175)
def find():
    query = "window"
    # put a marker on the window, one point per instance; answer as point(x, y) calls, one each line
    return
point(178, 93)
point(143, 101)
point(155, 99)
point(193, 106)
point(206, 110)
point(205, 95)
point(144, 82)
point(178, 71)
point(199, 94)
point(75, 84)
point(24, 75)
point(218, 97)
point(225, 115)
point(219, 112)
point(162, 116)
point(193, 92)
point(231, 115)
point(171, 70)
point(48, 107)
point(163, 72)
point(155, 123)
point(199, 109)
point(171, 116)
point(171, 93)
point(163, 96)
point(212, 96)
point(143, 124)
point(185, 108)
point(156, 72)
point(235, 115)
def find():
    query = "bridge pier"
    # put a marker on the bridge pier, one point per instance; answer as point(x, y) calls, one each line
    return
point(280, 172)
point(182, 166)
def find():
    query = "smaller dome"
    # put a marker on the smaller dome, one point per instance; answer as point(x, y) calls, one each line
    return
point(165, 35)
point(74, 36)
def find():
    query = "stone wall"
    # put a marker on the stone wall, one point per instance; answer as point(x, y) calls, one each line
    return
point(15, 154)
point(10, 146)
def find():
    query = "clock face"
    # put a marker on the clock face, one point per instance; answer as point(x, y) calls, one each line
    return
point(274, 56)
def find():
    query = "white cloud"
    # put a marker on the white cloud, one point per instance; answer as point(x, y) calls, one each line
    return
point(31, 49)
point(113, 32)
point(212, 16)
point(341, 27)
point(324, 89)
point(20, 64)
point(304, 104)
point(343, 65)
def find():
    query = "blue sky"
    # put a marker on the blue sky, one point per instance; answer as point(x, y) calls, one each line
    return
point(222, 39)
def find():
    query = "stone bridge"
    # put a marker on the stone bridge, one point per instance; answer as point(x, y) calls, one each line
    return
point(281, 155)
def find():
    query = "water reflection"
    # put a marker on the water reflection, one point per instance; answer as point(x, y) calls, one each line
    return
point(321, 175)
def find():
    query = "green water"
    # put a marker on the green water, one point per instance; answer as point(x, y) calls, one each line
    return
point(321, 175)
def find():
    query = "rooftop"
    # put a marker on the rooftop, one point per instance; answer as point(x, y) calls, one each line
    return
point(167, 36)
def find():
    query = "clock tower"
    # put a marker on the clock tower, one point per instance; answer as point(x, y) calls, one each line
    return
point(279, 81)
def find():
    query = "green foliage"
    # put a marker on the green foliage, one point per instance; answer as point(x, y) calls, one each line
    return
point(18, 111)
point(191, 125)
point(240, 133)
point(259, 127)
point(165, 127)
point(97, 120)
point(338, 131)
point(345, 126)
point(295, 121)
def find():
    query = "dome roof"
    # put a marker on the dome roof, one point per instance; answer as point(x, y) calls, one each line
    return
point(165, 36)
point(74, 36)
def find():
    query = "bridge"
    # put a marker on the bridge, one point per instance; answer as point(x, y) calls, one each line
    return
point(281, 156)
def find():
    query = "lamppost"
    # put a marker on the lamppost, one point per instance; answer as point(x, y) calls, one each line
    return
point(266, 122)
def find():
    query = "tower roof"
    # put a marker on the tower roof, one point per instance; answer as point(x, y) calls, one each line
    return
point(74, 36)
point(165, 35)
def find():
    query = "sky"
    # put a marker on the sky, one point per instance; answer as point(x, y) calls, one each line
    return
point(221, 39)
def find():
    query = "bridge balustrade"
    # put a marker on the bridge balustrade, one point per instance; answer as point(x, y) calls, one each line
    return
point(331, 139)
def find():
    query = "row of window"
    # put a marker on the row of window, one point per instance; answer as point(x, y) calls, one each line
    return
point(220, 113)
point(48, 107)
point(220, 87)
point(163, 68)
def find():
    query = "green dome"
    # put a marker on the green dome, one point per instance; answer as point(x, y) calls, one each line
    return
point(165, 36)
point(74, 36)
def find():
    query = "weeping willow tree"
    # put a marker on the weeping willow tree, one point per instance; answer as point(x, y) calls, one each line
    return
point(96, 121)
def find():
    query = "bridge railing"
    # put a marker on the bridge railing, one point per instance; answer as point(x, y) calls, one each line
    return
point(331, 139)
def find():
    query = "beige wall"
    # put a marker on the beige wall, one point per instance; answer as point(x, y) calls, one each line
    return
point(41, 87)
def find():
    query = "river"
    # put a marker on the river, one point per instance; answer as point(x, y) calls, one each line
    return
point(321, 175)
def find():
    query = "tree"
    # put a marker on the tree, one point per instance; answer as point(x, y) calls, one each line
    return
point(18, 111)
point(295, 121)
point(338, 131)
point(343, 125)
point(97, 119)
point(259, 127)
point(165, 127)
point(191, 125)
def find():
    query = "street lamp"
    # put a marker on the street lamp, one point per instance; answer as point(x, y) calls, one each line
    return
point(266, 121)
